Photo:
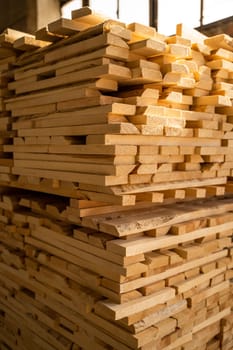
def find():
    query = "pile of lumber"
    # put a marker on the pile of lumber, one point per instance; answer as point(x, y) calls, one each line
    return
point(7, 59)
point(119, 114)
point(116, 213)
point(164, 285)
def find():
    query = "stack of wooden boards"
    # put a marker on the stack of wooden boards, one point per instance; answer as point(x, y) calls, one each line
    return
point(165, 284)
point(7, 59)
point(121, 114)
point(127, 135)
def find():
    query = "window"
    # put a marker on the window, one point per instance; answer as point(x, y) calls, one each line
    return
point(172, 12)
point(129, 10)
point(134, 11)
point(69, 7)
point(220, 9)
point(106, 7)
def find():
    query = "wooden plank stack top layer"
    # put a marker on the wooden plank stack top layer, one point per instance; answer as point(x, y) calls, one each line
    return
point(121, 114)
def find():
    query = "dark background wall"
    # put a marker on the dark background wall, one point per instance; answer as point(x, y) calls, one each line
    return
point(28, 15)
point(13, 14)
point(224, 25)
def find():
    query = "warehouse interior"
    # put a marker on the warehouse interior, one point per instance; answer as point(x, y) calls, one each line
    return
point(116, 175)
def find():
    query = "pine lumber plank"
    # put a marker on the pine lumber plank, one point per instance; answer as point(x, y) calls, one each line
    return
point(43, 34)
point(122, 200)
point(97, 42)
point(49, 108)
point(152, 140)
point(9, 36)
point(131, 189)
point(216, 100)
point(109, 71)
point(218, 41)
point(140, 31)
point(82, 65)
point(220, 64)
point(87, 15)
point(190, 283)
point(160, 315)
point(179, 50)
point(101, 180)
point(50, 97)
point(75, 149)
point(179, 80)
point(27, 43)
point(65, 26)
point(81, 246)
point(143, 76)
point(121, 128)
point(103, 208)
point(148, 47)
point(177, 39)
point(119, 29)
point(109, 51)
point(142, 245)
point(137, 283)
point(117, 160)
point(103, 115)
point(117, 170)
point(120, 311)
